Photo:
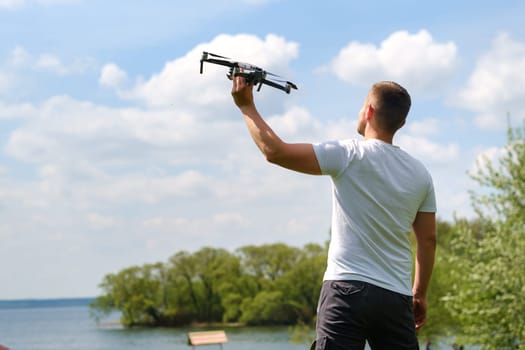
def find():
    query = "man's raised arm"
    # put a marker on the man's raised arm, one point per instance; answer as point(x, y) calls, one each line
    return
point(294, 156)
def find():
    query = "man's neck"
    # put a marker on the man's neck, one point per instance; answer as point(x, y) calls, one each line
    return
point(372, 134)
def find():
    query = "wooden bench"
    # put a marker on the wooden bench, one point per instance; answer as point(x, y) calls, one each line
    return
point(207, 338)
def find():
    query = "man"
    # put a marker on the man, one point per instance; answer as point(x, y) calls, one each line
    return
point(380, 193)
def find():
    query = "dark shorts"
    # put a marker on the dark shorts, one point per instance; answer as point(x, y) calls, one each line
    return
point(351, 313)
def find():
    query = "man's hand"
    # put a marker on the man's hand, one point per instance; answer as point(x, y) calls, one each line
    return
point(420, 311)
point(242, 93)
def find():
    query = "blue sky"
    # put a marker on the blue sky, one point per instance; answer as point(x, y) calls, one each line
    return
point(116, 152)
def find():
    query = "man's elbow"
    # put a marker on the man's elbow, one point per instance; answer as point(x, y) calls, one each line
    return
point(428, 240)
point(273, 154)
point(273, 158)
point(432, 240)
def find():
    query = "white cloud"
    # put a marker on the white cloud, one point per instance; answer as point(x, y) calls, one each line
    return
point(425, 127)
point(180, 84)
point(9, 81)
point(10, 4)
point(14, 4)
point(295, 123)
point(343, 128)
point(30, 145)
point(52, 184)
point(4, 82)
point(496, 87)
point(485, 157)
point(66, 130)
point(414, 60)
point(493, 156)
point(56, 2)
point(52, 63)
point(112, 76)
point(427, 150)
point(19, 58)
point(218, 221)
point(101, 221)
point(148, 189)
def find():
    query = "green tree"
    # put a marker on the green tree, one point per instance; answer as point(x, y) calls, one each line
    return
point(268, 262)
point(271, 284)
point(134, 291)
point(267, 308)
point(262, 267)
point(487, 299)
point(202, 276)
point(234, 291)
point(301, 284)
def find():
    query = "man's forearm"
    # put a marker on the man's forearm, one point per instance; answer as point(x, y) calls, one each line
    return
point(262, 134)
point(425, 257)
point(425, 231)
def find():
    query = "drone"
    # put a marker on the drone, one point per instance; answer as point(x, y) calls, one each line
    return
point(251, 73)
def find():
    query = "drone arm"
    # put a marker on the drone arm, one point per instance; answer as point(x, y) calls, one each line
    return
point(275, 85)
point(217, 61)
point(258, 79)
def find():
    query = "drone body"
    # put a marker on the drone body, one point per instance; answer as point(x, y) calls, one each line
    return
point(253, 74)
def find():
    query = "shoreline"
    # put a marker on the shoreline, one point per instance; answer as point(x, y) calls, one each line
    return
point(194, 325)
point(45, 303)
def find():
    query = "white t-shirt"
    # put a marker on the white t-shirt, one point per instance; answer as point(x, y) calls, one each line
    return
point(377, 191)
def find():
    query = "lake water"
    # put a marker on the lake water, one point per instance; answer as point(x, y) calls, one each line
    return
point(67, 325)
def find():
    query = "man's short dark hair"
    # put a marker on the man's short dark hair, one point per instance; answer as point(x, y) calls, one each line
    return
point(391, 102)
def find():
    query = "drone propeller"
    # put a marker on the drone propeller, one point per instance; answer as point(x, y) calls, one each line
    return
point(215, 55)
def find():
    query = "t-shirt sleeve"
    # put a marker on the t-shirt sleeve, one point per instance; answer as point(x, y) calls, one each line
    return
point(429, 202)
point(333, 157)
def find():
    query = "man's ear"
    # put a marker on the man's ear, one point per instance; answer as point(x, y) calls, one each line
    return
point(402, 124)
point(369, 112)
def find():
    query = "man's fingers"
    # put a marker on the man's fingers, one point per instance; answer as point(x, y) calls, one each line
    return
point(420, 323)
point(242, 92)
point(238, 83)
point(420, 313)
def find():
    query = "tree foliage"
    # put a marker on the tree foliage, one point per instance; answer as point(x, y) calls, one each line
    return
point(486, 296)
point(135, 292)
point(270, 284)
point(440, 318)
